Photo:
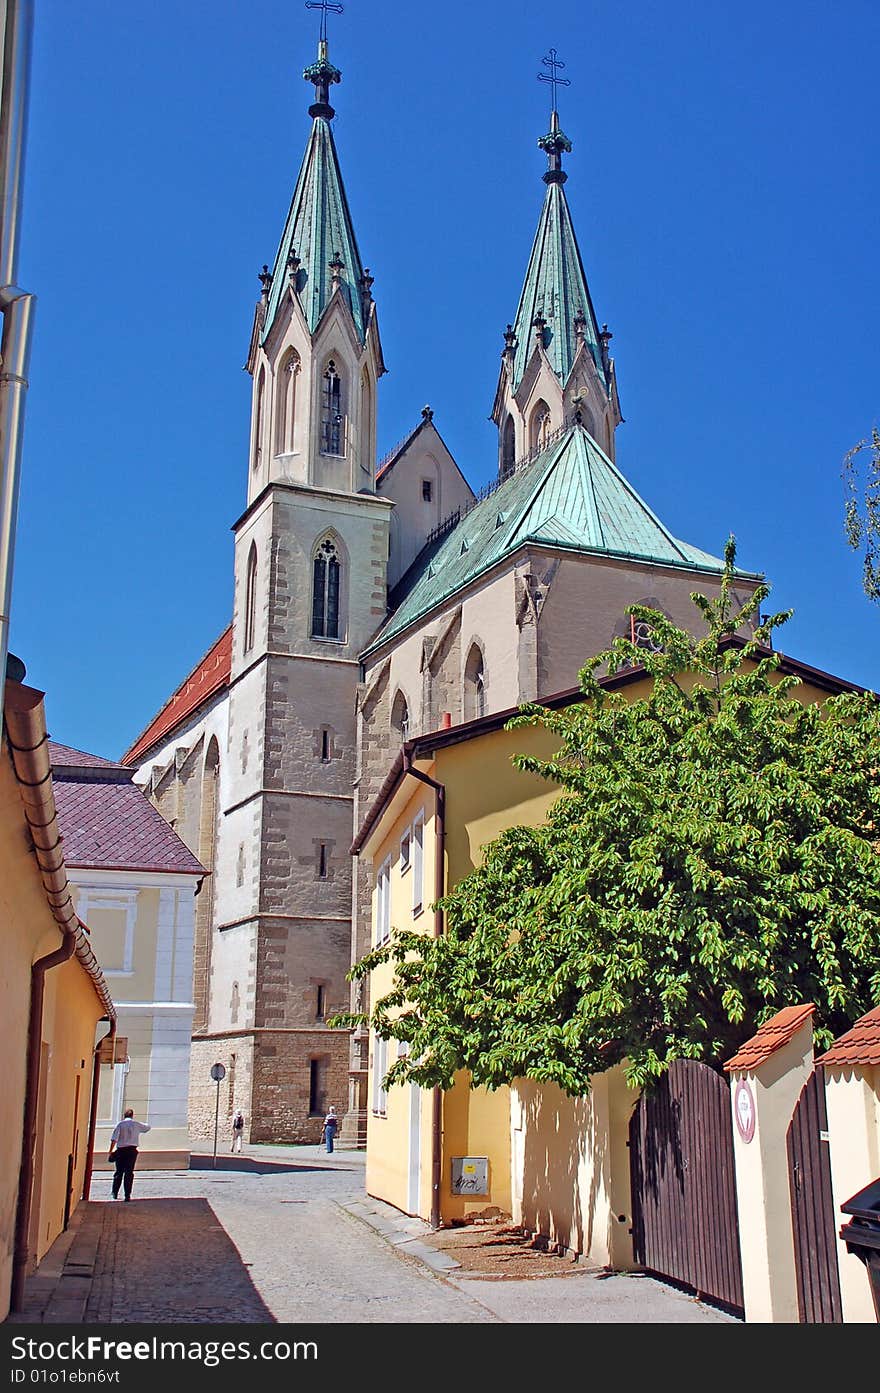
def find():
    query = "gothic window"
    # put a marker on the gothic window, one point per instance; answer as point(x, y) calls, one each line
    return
point(331, 411)
point(250, 600)
point(508, 447)
point(642, 635)
point(325, 591)
point(540, 427)
point(286, 410)
point(474, 685)
point(400, 716)
point(258, 417)
point(366, 451)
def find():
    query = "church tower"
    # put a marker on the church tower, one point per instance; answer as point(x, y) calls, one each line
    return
point(311, 551)
point(555, 367)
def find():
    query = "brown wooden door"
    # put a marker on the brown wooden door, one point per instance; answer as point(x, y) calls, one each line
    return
point(812, 1207)
point(683, 1187)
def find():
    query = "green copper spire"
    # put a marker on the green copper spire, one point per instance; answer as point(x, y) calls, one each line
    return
point(555, 307)
point(318, 252)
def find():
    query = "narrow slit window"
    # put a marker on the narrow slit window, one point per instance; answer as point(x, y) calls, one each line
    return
point(325, 746)
point(427, 490)
point(321, 1003)
point(322, 861)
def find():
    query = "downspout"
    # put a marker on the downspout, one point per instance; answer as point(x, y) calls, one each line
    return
point(93, 1107)
point(439, 891)
point(16, 305)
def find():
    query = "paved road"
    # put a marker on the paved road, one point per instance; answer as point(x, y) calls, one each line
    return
point(292, 1238)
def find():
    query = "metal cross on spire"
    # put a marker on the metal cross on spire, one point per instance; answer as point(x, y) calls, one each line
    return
point(324, 6)
point(554, 64)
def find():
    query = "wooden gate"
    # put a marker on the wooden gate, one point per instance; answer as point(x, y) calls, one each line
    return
point(683, 1186)
point(812, 1206)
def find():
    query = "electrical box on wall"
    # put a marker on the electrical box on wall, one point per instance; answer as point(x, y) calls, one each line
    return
point(470, 1175)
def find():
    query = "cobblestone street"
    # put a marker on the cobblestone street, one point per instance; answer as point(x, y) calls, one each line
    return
point(287, 1234)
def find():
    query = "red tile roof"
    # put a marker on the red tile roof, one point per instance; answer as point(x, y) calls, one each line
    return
point(772, 1035)
point(207, 677)
point(112, 826)
point(860, 1045)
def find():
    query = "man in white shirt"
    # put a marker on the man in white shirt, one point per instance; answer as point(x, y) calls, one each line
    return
point(124, 1151)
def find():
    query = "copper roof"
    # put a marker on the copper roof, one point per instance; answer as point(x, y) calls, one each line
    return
point(860, 1045)
point(207, 677)
point(772, 1035)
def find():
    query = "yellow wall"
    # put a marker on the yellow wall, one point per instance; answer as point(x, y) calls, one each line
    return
point(71, 1013)
point(853, 1099)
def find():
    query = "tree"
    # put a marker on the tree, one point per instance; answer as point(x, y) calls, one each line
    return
point(712, 857)
point(862, 515)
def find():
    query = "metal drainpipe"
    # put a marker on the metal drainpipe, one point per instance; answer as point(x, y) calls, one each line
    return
point(439, 890)
point(17, 306)
point(93, 1108)
point(29, 1126)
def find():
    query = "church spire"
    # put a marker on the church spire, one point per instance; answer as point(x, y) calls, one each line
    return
point(318, 252)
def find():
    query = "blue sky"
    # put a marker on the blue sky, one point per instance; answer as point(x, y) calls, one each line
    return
point(723, 185)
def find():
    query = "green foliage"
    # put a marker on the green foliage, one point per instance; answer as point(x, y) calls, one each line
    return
point(713, 856)
point(862, 515)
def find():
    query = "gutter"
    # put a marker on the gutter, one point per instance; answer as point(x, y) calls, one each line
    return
point(29, 745)
point(16, 306)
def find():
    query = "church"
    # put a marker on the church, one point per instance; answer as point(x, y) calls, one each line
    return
point(374, 602)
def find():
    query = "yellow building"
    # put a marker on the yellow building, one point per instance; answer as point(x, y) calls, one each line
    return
point(559, 1165)
point(54, 1008)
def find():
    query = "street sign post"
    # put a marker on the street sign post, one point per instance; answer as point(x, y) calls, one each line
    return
point(218, 1072)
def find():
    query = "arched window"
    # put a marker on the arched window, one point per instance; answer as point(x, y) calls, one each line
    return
point(285, 415)
point(250, 599)
point(400, 716)
point(366, 424)
point(474, 685)
point(331, 411)
point(540, 427)
point(325, 590)
point(508, 447)
point(258, 417)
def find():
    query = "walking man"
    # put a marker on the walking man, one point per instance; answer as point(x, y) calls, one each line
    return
point(237, 1130)
point(124, 1151)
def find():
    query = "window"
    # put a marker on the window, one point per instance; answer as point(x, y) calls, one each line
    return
point(321, 1002)
point(427, 490)
point(239, 869)
point(322, 861)
point(508, 447)
point(540, 428)
point(258, 417)
point(383, 902)
point(325, 592)
point(325, 745)
point(331, 412)
point(642, 635)
point(250, 599)
point(286, 411)
point(405, 850)
point(380, 1069)
point(317, 1087)
point(474, 685)
point(418, 836)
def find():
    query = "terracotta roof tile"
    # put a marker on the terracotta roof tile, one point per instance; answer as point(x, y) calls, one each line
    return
point(772, 1035)
point(860, 1045)
point(112, 825)
point(207, 677)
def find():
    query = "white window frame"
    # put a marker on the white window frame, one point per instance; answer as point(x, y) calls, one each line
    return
point(417, 856)
point(380, 1069)
point(383, 902)
point(108, 897)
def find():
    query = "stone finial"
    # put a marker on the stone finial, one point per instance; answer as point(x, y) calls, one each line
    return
point(365, 285)
point(427, 415)
point(337, 266)
point(580, 325)
point(509, 341)
point(265, 279)
point(539, 324)
point(293, 264)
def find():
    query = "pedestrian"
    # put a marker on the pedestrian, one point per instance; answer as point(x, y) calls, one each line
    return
point(237, 1130)
point(331, 1123)
point(124, 1151)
